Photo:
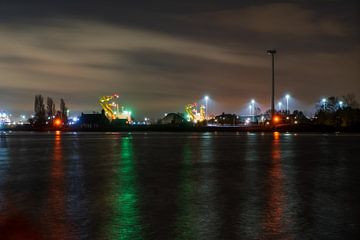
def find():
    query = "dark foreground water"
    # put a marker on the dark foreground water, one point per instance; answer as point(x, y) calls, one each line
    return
point(179, 186)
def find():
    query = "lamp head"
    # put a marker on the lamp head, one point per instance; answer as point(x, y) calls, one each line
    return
point(270, 51)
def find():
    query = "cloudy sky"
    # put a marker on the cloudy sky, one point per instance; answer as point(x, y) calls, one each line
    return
point(160, 55)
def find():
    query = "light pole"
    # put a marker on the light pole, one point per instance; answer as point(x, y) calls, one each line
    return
point(287, 102)
point(272, 53)
point(279, 104)
point(206, 106)
point(253, 109)
point(324, 103)
point(250, 111)
point(341, 103)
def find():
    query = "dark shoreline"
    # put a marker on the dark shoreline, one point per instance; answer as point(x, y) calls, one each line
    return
point(185, 128)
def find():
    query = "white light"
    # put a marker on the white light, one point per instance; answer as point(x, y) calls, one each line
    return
point(252, 101)
point(324, 100)
point(206, 98)
point(287, 96)
point(279, 103)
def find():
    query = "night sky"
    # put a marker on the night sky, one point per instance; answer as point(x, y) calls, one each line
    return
point(160, 55)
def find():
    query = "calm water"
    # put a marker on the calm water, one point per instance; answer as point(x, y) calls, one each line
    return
point(179, 186)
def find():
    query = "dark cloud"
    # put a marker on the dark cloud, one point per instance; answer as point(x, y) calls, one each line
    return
point(161, 55)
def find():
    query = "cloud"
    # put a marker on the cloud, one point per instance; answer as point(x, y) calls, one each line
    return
point(91, 59)
point(157, 71)
point(284, 19)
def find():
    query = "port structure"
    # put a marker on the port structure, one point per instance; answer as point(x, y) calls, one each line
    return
point(112, 110)
point(193, 114)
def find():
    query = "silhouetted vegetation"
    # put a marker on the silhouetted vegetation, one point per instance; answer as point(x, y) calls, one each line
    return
point(39, 109)
point(45, 116)
point(338, 112)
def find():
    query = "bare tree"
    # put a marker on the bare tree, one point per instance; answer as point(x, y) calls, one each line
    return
point(350, 100)
point(63, 110)
point(39, 109)
point(50, 107)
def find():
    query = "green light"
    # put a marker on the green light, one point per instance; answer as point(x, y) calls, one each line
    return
point(186, 215)
point(126, 220)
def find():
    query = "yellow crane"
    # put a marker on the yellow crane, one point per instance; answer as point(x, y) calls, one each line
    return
point(111, 108)
point(193, 114)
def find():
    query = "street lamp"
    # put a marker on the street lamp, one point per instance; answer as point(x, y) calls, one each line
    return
point(279, 104)
point(206, 106)
point(341, 103)
point(287, 96)
point(253, 108)
point(250, 109)
point(324, 103)
point(272, 53)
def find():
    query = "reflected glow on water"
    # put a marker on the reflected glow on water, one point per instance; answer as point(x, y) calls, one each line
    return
point(4, 167)
point(185, 216)
point(275, 204)
point(179, 186)
point(56, 197)
point(126, 222)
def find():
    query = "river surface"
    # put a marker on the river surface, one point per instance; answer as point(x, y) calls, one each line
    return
point(179, 186)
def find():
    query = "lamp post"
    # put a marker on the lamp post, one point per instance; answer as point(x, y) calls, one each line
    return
point(341, 103)
point(272, 53)
point(279, 104)
point(287, 102)
point(206, 106)
point(324, 103)
point(253, 109)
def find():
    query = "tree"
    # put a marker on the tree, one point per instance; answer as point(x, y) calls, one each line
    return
point(50, 107)
point(63, 110)
point(350, 100)
point(39, 109)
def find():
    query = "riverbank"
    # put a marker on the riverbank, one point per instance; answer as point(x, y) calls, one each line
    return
point(189, 128)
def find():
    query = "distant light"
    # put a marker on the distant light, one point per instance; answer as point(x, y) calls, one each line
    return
point(287, 96)
point(252, 101)
point(341, 103)
point(250, 106)
point(75, 119)
point(324, 100)
point(276, 119)
point(279, 103)
point(57, 122)
point(206, 97)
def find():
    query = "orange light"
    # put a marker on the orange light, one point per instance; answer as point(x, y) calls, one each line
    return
point(57, 122)
point(276, 119)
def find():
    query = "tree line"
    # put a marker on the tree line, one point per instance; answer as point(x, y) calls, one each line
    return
point(338, 111)
point(45, 115)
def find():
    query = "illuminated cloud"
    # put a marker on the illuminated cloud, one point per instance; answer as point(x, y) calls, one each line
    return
point(159, 61)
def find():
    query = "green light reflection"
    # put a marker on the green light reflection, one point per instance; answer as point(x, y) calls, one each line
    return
point(185, 224)
point(126, 223)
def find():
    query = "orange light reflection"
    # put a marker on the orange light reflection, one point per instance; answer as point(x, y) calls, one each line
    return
point(57, 192)
point(275, 201)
